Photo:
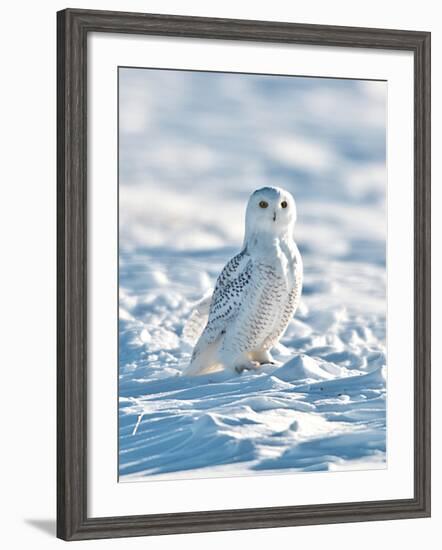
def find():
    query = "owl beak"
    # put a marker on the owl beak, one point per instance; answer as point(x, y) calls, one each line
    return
point(274, 216)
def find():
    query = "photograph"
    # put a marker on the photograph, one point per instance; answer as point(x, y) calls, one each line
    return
point(220, 236)
point(252, 274)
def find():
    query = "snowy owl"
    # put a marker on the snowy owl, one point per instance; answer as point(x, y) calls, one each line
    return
point(256, 293)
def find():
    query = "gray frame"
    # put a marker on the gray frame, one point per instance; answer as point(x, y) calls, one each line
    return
point(73, 27)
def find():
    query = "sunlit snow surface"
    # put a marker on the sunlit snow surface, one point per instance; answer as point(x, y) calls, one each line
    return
point(192, 148)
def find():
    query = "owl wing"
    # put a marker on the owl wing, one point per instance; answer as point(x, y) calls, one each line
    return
point(230, 289)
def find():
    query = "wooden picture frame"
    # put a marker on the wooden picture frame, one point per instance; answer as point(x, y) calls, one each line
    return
point(73, 27)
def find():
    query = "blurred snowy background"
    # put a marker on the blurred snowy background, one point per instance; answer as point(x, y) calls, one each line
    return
point(192, 147)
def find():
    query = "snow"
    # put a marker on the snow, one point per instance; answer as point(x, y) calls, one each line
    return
point(192, 148)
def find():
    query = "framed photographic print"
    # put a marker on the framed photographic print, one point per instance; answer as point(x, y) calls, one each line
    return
point(243, 274)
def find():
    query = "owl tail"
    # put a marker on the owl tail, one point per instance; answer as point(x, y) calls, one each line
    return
point(206, 360)
point(194, 326)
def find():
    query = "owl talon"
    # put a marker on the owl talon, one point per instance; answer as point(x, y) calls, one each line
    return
point(272, 363)
point(253, 365)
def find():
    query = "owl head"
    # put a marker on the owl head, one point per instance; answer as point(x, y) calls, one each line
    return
point(271, 210)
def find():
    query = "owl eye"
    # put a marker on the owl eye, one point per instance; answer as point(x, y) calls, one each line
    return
point(263, 204)
point(284, 204)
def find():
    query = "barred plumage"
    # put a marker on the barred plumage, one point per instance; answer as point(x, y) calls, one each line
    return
point(256, 293)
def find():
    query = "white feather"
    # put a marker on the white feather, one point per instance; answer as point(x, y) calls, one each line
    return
point(256, 293)
point(194, 326)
